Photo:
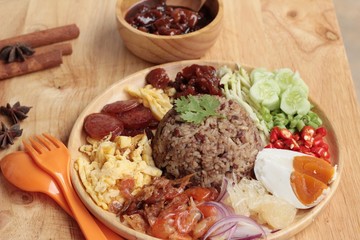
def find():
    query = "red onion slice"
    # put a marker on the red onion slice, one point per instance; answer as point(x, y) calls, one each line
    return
point(223, 190)
point(247, 232)
point(245, 228)
point(222, 208)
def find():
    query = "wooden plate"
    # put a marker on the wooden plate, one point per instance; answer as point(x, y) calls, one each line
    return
point(116, 92)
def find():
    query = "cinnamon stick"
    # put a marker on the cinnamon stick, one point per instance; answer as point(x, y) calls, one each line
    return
point(36, 63)
point(65, 49)
point(44, 37)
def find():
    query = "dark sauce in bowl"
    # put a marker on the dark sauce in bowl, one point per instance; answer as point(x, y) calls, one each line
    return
point(156, 17)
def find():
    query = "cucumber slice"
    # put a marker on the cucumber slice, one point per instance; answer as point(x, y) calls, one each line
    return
point(286, 78)
point(261, 74)
point(266, 92)
point(295, 100)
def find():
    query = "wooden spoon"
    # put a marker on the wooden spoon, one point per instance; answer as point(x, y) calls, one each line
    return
point(18, 166)
point(194, 5)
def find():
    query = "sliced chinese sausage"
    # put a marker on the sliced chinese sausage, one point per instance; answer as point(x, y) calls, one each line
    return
point(133, 132)
point(158, 78)
point(99, 125)
point(120, 106)
point(137, 118)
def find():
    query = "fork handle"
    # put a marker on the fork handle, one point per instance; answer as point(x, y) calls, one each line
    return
point(86, 221)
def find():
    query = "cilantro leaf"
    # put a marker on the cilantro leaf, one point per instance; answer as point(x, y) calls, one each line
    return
point(195, 109)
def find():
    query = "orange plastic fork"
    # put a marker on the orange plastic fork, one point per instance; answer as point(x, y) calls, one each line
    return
point(52, 156)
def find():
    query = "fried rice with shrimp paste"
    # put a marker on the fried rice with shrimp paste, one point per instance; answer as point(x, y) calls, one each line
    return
point(219, 146)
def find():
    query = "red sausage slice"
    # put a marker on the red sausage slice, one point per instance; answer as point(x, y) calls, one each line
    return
point(158, 78)
point(99, 125)
point(120, 106)
point(136, 118)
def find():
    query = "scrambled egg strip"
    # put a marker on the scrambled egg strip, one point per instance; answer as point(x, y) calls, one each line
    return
point(156, 99)
point(111, 161)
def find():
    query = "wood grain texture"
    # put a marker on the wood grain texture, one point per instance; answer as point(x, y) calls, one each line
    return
point(301, 34)
point(348, 13)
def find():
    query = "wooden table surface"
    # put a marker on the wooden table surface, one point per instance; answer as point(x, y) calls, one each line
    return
point(300, 34)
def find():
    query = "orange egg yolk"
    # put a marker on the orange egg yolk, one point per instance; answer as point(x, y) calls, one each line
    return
point(310, 178)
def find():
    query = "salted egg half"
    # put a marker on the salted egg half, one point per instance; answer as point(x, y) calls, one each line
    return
point(300, 179)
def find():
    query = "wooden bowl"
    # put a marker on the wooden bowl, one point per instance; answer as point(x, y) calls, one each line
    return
point(116, 92)
point(161, 49)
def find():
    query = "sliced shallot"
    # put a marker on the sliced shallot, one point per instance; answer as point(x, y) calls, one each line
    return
point(222, 208)
point(246, 228)
point(223, 190)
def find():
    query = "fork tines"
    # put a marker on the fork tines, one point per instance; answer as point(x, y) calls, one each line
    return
point(43, 143)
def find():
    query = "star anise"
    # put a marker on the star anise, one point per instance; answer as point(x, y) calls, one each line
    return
point(7, 135)
point(15, 112)
point(16, 52)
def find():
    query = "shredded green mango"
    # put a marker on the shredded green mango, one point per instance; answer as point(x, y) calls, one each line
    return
point(264, 110)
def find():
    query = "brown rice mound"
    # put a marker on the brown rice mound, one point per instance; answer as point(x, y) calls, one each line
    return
point(217, 147)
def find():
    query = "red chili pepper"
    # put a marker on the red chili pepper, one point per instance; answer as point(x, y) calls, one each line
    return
point(279, 144)
point(301, 142)
point(304, 149)
point(307, 151)
point(309, 141)
point(292, 144)
point(326, 156)
point(296, 136)
point(307, 133)
point(319, 151)
point(321, 131)
point(285, 134)
point(276, 130)
point(273, 135)
point(318, 140)
point(325, 146)
point(270, 145)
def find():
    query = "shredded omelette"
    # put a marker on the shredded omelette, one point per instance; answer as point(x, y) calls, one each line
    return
point(111, 161)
